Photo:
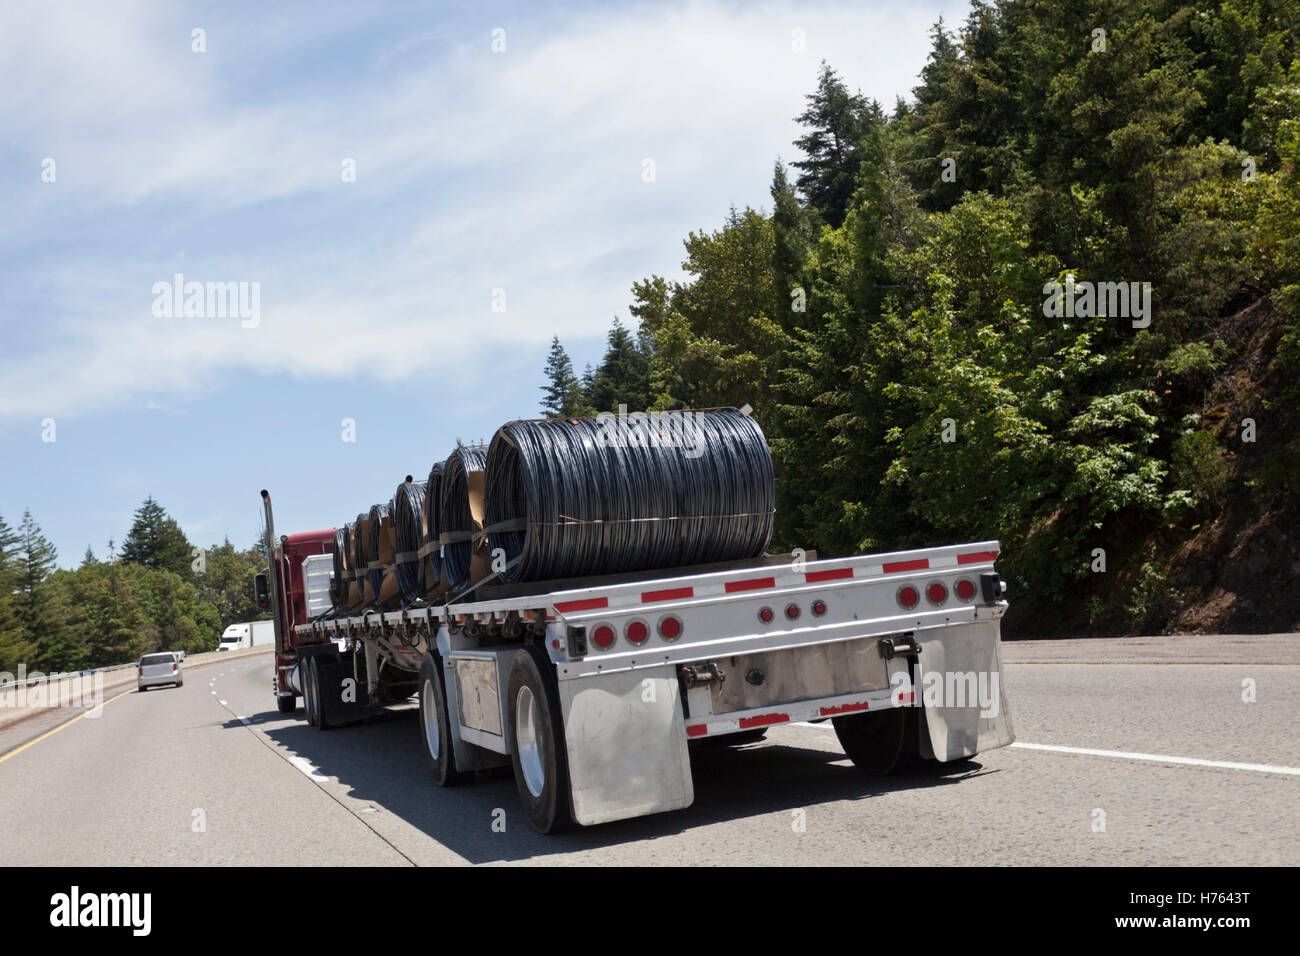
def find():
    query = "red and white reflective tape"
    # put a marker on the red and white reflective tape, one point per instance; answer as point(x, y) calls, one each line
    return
point(771, 582)
point(793, 713)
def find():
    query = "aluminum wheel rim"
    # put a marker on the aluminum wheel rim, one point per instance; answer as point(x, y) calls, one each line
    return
point(528, 743)
point(432, 739)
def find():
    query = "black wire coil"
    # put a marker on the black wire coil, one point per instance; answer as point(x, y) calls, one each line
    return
point(454, 516)
point(431, 564)
point(338, 587)
point(377, 530)
point(408, 508)
point(567, 498)
point(360, 547)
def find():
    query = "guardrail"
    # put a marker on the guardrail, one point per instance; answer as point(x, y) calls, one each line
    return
point(62, 675)
point(201, 657)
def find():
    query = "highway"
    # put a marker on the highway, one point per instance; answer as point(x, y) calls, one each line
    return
point(209, 774)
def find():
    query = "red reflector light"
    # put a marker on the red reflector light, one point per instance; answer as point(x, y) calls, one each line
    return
point(936, 592)
point(792, 611)
point(965, 588)
point(670, 628)
point(637, 632)
point(908, 597)
point(819, 607)
point(603, 637)
point(765, 615)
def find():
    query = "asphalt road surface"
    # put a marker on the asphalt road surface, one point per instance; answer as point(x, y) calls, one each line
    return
point(1192, 759)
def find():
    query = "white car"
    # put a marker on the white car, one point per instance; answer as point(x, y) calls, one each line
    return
point(156, 669)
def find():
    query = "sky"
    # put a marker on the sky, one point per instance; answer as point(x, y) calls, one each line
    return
point(412, 198)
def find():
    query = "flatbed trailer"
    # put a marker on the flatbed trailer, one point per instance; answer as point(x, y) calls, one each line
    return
point(595, 691)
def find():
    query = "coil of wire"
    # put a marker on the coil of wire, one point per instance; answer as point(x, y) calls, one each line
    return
point(456, 523)
point(408, 526)
point(380, 548)
point(430, 546)
point(360, 558)
point(609, 494)
point(338, 586)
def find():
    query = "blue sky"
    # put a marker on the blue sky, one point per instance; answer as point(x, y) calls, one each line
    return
point(475, 170)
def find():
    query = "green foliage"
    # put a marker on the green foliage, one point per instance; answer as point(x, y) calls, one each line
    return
point(1199, 468)
point(886, 321)
point(562, 394)
point(157, 541)
point(111, 612)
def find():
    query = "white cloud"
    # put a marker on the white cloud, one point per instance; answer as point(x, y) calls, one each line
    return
point(476, 170)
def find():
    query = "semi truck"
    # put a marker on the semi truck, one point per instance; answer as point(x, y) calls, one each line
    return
point(247, 634)
point(595, 691)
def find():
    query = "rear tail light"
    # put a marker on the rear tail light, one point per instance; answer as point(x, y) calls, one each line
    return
point(603, 637)
point(670, 627)
point(765, 615)
point(173, 667)
point(908, 597)
point(964, 589)
point(936, 592)
point(792, 611)
point(141, 671)
point(637, 632)
point(818, 607)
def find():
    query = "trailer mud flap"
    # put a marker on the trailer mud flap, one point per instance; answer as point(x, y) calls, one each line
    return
point(626, 743)
point(959, 674)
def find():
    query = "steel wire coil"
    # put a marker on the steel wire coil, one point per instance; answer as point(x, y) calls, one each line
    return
point(408, 527)
point(456, 524)
point(360, 550)
point(431, 563)
point(338, 586)
point(604, 495)
point(380, 544)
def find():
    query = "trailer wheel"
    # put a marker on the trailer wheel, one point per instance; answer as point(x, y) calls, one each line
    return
point(435, 725)
point(315, 706)
point(879, 742)
point(536, 739)
point(286, 705)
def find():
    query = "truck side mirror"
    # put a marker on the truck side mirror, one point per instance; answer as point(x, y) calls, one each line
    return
point(261, 590)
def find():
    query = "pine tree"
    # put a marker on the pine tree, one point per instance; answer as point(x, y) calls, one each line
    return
point(623, 376)
point(37, 559)
point(15, 647)
point(561, 393)
point(89, 557)
point(836, 120)
point(157, 541)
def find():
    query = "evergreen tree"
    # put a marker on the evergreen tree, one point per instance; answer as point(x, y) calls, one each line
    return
point(157, 541)
point(562, 396)
point(623, 376)
point(89, 557)
point(836, 120)
point(54, 648)
point(15, 647)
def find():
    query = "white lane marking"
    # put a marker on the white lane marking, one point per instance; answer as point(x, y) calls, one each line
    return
point(1129, 755)
point(306, 767)
point(214, 693)
point(1160, 758)
point(223, 703)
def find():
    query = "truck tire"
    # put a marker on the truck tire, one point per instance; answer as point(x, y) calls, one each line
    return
point(324, 683)
point(312, 686)
point(286, 705)
point(435, 726)
point(879, 742)
point(535, 733)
